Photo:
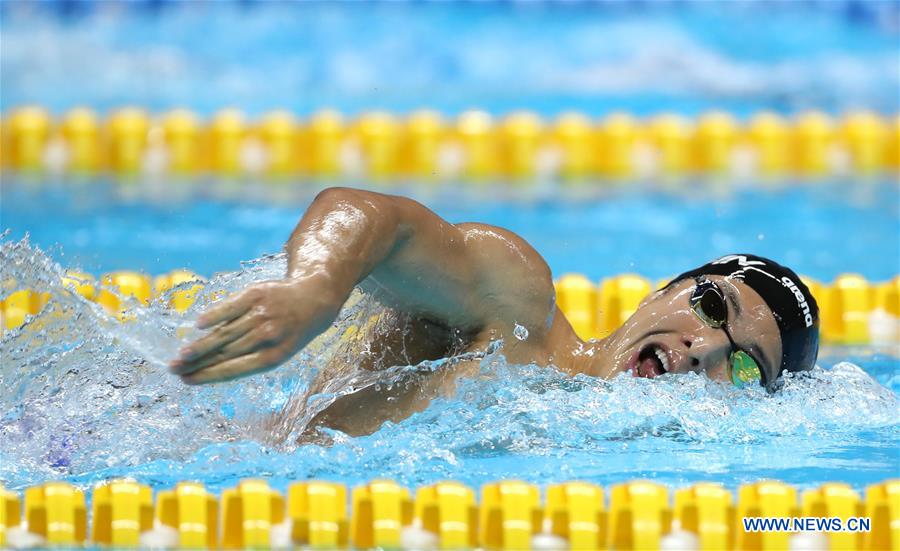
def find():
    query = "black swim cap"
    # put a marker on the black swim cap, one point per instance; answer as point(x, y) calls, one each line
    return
point(794, 307)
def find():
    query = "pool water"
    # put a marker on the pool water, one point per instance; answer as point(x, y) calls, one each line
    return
point(820, 229)
point(87, 398)
point(84, 397)
point(594, 57)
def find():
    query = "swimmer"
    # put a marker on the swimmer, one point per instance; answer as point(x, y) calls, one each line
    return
point(456, 288)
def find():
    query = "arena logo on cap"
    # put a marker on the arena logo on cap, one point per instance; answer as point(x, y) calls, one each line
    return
point(801, 300)
point(741, 260)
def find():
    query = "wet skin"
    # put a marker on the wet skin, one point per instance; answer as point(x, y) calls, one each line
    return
point(458, 287)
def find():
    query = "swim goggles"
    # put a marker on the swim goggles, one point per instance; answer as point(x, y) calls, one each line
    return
point(708, 302)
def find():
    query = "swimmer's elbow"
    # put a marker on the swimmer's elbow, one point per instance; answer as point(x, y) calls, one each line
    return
point(377, 207)
point(336, 195)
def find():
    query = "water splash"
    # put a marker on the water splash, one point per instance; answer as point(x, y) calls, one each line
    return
point(85, 397)
point(84, 391)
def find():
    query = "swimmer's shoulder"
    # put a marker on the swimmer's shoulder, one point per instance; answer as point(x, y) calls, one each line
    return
point(514, 279)
point(492, 244)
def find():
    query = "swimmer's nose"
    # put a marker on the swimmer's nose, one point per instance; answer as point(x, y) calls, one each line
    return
point(693, 360)
point(707, 351)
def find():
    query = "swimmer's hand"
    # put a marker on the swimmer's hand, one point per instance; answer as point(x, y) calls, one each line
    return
point(258, 329)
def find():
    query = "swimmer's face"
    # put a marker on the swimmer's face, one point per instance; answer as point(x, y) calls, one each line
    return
point(666, 336)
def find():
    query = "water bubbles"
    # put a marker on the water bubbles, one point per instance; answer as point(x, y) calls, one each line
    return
point(520, 332)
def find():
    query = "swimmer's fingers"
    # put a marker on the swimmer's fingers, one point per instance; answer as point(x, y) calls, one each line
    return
point(231, 369)
point(229, 309)
point(215, 340)
point(249, 341)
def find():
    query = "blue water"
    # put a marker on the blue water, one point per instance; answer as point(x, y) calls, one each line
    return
point(592, 56)
point(821, 230)
point(84, 397)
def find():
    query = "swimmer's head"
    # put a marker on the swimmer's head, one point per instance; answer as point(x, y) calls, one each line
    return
point(739, 318)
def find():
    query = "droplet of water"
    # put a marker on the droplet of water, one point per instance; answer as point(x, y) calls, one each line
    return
point(520, 332)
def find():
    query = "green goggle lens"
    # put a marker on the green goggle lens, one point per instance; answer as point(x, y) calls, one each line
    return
point(744, 370)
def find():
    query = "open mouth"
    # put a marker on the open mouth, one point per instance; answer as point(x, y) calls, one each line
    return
point(652, 362)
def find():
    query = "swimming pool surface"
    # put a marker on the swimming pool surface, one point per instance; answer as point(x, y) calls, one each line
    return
point(821, 230)
point(594, 57)
point(86, 398)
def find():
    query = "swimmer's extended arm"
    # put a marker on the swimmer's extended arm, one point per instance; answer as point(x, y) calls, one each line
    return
point(469, 276)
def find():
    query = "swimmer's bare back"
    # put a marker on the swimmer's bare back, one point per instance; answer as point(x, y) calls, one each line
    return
point(465, 285)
